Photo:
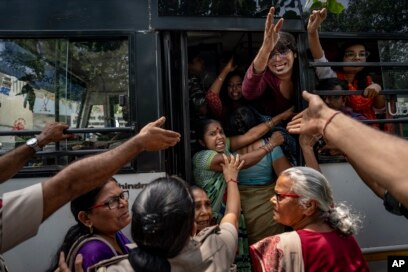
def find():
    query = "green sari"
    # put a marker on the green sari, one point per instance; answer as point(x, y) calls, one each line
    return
point(214, 184)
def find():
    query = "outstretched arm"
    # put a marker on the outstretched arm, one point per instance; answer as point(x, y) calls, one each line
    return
point(255, 133)
point(231, 167)
point(253, 157)
point(363, 145)
point(14, 160)
point(85, 174)
point(213, 95)
point(306, 144)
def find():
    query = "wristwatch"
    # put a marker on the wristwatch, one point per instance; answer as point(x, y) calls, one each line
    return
point(33, 143)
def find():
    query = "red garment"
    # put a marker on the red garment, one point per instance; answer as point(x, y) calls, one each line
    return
point(219, 110)
point(264, 90)
point(360, 103)
point(330, 251)
point(214, 104)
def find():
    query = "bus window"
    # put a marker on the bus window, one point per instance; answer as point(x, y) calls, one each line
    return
point(82, 82)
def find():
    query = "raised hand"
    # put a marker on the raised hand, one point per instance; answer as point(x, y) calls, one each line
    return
point(372, 90)
point(271, 32)
point(315, 20)
point(231, 167)
point(156, 138)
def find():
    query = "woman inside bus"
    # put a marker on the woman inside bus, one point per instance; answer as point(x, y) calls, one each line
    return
point(207, 167)
point(371, 101)
point(269, 80)
point(100, 215)
point(163, 222)
point(257, 183)
point(322, 239)
point(222, 102)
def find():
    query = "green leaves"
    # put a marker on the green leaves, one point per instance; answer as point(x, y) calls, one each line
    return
point(332, 6)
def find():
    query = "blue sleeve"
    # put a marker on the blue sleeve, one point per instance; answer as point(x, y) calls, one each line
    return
point(277, 153)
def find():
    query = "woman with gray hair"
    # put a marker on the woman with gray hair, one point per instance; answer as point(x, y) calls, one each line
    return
point(322, 239)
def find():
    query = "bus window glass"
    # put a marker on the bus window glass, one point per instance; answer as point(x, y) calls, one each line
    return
point(246, 8)
point(81, 82)
point(368, 16)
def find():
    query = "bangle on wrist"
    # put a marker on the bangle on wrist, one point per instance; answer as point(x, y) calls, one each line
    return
point(269, 123)
point(266, 147)
point(220, 78)
point(328, 122)
point(232, 180)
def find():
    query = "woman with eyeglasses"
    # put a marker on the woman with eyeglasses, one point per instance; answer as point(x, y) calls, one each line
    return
point(269, 82)
point(371, 102)
point(322, 239)
point(101, 214)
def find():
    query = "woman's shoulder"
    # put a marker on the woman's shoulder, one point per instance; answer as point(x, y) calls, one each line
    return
point(96, 245)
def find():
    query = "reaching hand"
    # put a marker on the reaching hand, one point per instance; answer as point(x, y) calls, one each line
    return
point(231, 166)
point(156, 138)
point(276, 139)
point(63, 267)
point(315, 20)
point(271, 33)
point(53, 132)
point(372, 90)
point(311, 120)
point(230, 66)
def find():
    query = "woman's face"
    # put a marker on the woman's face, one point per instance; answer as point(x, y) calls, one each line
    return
point(235, 87)
point(106, 220)
point(355, 53)
point(286, 209)
point(203, 210)
point(281, 63)
point(214, 137)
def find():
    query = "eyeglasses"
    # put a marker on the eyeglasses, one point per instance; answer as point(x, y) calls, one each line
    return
point(282, 54)
point(281, 196)
point(113, 202)
point(352, 54)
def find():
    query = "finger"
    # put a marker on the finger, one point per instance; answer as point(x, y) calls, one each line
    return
point(225, 159)
point(78, 263)
point(241, 164)
point(232, 159)
point(297, 117)
point(278, 25)
point(307, 96)
point(159, 122)
point(237, 160)
point(269, 20)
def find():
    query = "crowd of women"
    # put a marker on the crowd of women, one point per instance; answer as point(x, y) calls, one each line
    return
point(252, 207)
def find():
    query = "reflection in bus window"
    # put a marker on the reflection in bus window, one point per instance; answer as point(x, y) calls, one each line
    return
point(78, 82)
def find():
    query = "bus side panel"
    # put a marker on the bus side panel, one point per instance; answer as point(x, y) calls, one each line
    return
point(379, 228)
